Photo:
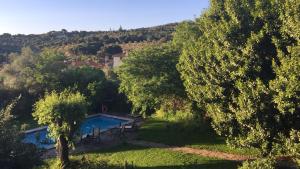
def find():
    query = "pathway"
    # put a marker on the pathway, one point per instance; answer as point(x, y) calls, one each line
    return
point(188, 150)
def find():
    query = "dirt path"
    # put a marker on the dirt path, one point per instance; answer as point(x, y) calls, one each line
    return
point(188, 150)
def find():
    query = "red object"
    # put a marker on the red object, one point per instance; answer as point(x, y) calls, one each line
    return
point(104, 109)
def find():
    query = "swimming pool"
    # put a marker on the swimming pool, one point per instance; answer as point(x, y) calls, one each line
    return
point(40, 138)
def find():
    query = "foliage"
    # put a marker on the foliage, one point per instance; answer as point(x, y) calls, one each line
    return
point(13, 153)
point(33, 72)
point(48, 70)
point(179, 110)
point(82, 163)
point(62, 113)
point(83, 42)
point(66, 108)
point(88, 48)
point(289, 146)
point(267, 163)
point(242, 68)
point(90, 82)
point(111, 50)
point(16, 74)
point(149, 75)
point(185, 33)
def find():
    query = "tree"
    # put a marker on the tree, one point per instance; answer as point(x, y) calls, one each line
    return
point(242, 68)
point(13, 153)
point(31, 74)
point(89, 81)
point(149, 75)
point(35, 72)
point(120, 29)
point(48, 71)
point(15, 75)
point(63, 113)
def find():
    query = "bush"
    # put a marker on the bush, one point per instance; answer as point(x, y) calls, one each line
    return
point(267, 163)
point(178, 110)
point(26, 156)
point(83, 163)
point(13, 153)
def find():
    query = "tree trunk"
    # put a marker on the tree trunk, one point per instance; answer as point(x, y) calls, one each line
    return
point(63, 151)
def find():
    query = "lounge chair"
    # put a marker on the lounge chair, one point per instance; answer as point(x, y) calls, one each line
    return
point(130, 127)
point(94, 138)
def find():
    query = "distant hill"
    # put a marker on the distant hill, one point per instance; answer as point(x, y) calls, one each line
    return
point(84, 42)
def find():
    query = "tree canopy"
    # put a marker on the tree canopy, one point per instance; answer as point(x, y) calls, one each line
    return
point(13, 153)
point(35, 72)
point(242, 67)
point(32, 74)
point(62, 113)
point(149, 75)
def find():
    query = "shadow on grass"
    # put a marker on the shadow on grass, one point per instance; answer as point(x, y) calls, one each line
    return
point(174, 134)
point(103, 158)
point(177, 134)
point(124, 147)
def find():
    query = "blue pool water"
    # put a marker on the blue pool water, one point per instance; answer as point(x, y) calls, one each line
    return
point(42, 140)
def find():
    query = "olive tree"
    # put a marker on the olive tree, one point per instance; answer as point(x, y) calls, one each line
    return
point(242, 68)
point(63, 113)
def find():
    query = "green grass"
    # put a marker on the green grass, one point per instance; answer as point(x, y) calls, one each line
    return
point(175, 134)
point(147, 158)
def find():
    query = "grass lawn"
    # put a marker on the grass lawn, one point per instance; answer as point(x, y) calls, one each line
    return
point(175, 135)
point(145, 158)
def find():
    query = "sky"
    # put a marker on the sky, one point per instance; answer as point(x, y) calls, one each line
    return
point(41, 16)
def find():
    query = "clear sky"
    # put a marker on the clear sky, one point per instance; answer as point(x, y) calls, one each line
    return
point(40, 16)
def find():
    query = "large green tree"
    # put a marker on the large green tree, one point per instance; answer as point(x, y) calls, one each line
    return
point(149, 75)
point(63, 113)
point(35, 72)
point(13, 153)
point(32, 73)
point(242, 68)
point(89, 81)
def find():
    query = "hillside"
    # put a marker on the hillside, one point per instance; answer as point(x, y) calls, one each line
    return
point(83, 42)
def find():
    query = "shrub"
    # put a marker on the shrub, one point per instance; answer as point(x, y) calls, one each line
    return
point(179, 110)
point(13, 153)
point(267, 163)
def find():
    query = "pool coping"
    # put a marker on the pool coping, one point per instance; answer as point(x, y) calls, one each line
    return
point(128, 121)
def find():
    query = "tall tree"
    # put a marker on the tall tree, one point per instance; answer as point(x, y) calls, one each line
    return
point(63, 113)
point(148, 75)
point(242, 68)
